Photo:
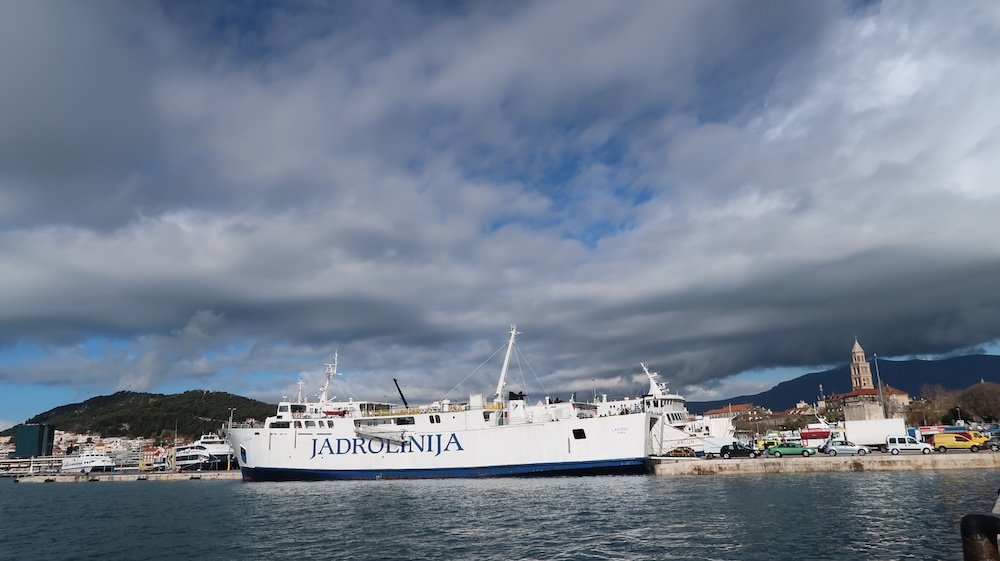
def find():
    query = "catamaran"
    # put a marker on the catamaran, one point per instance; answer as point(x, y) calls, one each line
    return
point(503, 437)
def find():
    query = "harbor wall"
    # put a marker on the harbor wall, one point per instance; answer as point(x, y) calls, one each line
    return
point(658, 466)
point(96, 477)
point(813, 464)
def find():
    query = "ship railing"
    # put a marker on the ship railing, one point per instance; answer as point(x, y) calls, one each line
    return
point(418, 411)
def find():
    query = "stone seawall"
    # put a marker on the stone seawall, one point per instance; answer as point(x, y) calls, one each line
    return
point(95, 477)
point(871, 462)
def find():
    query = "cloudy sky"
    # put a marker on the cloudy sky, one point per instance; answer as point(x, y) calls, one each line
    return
point(219, 196)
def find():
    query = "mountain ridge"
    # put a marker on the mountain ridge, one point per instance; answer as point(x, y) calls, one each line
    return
point(955, 373)
point(151, 415)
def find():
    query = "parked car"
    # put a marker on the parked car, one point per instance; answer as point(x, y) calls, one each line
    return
point(789, 449)
point(975, 436)
point(944, 441)
point(765, 443)
point(896, 444)
point(737, 450)
point(835, 447)
point(992, 444)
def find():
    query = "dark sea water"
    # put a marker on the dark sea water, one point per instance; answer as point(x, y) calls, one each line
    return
point(866, 515)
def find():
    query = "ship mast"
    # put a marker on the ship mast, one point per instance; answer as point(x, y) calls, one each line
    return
point(506, 362)
point(331, 371)
point(655, 388)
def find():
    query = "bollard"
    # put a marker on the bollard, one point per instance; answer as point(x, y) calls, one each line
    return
point(979, 537)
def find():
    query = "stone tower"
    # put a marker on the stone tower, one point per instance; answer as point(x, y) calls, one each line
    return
point(861, 372)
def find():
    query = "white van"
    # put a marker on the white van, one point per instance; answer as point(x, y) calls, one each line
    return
point(896, 444)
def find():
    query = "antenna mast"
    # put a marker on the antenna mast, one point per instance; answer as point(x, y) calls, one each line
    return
point(331, 371)
point(506, 362)
point(655, 388)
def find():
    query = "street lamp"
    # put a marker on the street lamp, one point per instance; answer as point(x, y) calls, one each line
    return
point(881, 396)
point(229, 457)
point(959, 409)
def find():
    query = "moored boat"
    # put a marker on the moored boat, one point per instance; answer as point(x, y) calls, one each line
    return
point(210, 452)
point(87, 463)
point(503, 437)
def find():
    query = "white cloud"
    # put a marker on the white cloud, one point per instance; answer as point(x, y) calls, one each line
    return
point(623, 183)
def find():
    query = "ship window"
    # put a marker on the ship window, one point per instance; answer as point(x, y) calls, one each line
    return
point(578, 434)
point(405, 420)
point(282, 409)
point(281, 425)
point(243, 454)
point(310, 424)
point(298, 424)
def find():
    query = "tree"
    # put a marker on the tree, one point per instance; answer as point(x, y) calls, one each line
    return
point(938, 404)
point(981, 401)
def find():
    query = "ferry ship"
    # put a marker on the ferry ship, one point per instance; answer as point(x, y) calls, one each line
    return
point(87, 463)
point(500, 438)
point(210, 452)
point(671, 407)
point(669, 426)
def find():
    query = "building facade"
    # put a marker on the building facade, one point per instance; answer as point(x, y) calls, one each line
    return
point(33, 440)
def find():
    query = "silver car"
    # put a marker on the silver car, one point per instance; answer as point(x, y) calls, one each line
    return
point(844, 447)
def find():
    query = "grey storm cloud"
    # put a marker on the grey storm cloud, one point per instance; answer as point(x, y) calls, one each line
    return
point(709, 187)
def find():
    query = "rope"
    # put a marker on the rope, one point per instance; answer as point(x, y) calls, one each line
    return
point(473, 372)
point(532, 370)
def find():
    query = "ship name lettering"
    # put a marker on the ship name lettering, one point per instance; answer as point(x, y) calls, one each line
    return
point(429, 443)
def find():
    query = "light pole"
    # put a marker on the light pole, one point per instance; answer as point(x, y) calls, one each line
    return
point(594, 380)
point(959, 409)
point(881, 396)
point(229, 457)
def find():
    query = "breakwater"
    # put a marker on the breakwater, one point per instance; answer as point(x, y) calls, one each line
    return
point(98, 477)
point(658, 466)
point(813, 464)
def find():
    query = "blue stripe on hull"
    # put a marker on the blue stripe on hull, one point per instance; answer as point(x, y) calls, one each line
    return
point(631, 466)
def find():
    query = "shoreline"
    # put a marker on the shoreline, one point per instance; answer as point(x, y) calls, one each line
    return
point(658, 466)
point(231, 475)
point(815, 464)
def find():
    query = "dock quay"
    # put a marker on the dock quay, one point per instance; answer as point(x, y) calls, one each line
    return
point(660, 466)
point(132, 476)
point(814, 464)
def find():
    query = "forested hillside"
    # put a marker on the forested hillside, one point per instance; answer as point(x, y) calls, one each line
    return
point(152, 415)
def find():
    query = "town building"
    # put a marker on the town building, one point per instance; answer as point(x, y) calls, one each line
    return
point(32, 440)
point(867, 401)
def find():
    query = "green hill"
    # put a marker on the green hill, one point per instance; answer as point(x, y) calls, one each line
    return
point(135, 414)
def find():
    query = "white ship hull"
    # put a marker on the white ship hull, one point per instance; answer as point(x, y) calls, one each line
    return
point(462, 444)
point(371, 440)
point(87, 463)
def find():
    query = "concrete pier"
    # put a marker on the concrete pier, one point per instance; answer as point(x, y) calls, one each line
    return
point(658, 466)
point(876, 461)
point(135, 476)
